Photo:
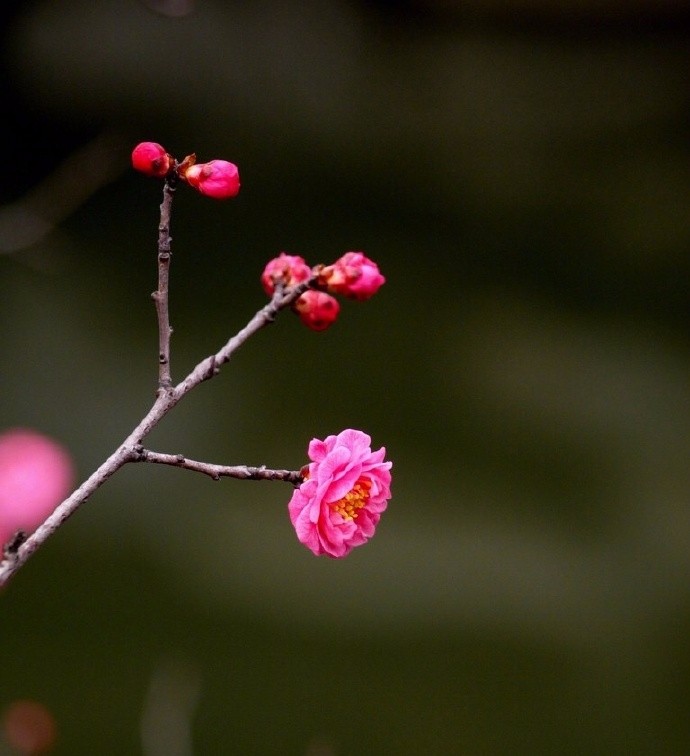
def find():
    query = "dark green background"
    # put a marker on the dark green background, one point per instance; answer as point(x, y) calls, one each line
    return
point(520, 173)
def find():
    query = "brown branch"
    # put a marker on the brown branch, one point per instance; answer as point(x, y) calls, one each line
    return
point(167, 397)
point(129, 450)
point(216, 472)
point(211, 365)
point(160, 296)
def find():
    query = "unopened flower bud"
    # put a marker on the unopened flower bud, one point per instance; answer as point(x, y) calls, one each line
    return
point(218, 178)
point(316, 309)
point(288, 270)
point(152, 159)
point(354, 275)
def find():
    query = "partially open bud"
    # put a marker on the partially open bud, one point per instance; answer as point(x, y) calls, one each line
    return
point(152, 159)
point(316, 309)
point(354, 275)
point(286, 269)
point(218, 178)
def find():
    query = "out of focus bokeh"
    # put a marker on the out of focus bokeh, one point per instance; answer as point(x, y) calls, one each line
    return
point(521, 173)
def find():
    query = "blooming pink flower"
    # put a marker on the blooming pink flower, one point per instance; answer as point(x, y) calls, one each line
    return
point(217, 178)
point(346, 488)
point(353, 275)
point(152, 159)
point(316, 309)
point(286, 269)
point(36, 474)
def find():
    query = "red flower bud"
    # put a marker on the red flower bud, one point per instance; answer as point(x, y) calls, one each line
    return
point(317, 310)
point(286, 269)
point(353, 275)
point(217, 178)
point(152, 159)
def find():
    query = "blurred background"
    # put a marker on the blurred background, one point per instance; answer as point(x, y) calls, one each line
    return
point(520, 173)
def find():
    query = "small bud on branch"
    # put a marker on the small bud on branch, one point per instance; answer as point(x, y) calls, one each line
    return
point(317, 310)
point(218, 178)
point(287, 270)
point(353, 275)
point(152, 159)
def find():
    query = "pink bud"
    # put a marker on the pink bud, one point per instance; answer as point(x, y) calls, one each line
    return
point(218, 178)
point(36, 474)
point(353, 275)
point(317, 310)
point(286, 269)
point(152, 159)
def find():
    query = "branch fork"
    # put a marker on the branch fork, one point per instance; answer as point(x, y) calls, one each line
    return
point(17, 552)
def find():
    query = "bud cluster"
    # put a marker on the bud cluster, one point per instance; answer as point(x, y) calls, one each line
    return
point(353, 275)
point(219, 179)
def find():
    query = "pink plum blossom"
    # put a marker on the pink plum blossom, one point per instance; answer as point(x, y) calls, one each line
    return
point(353, 275)
point(317, 310)
point(218, 178)
point(152, 159)
point(346, 488)
point(289, 270)
point(36, 474)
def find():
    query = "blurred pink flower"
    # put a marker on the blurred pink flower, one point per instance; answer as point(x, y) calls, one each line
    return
point(317, 310)
point(218, 178)
point(353, 275)
point(29, 727)
point(36, 474)
point(346, 489)
point(286, 269)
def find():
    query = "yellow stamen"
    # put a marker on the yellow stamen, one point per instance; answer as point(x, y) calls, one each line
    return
point(353, 500)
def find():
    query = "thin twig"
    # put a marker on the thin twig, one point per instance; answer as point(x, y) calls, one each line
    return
point(160, 296)
point(211, 365)
point(216, 472)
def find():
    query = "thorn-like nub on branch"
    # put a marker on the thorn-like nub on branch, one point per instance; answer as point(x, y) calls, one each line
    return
point(12, 546)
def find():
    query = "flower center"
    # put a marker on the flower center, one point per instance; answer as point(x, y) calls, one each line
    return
point(348, 506)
